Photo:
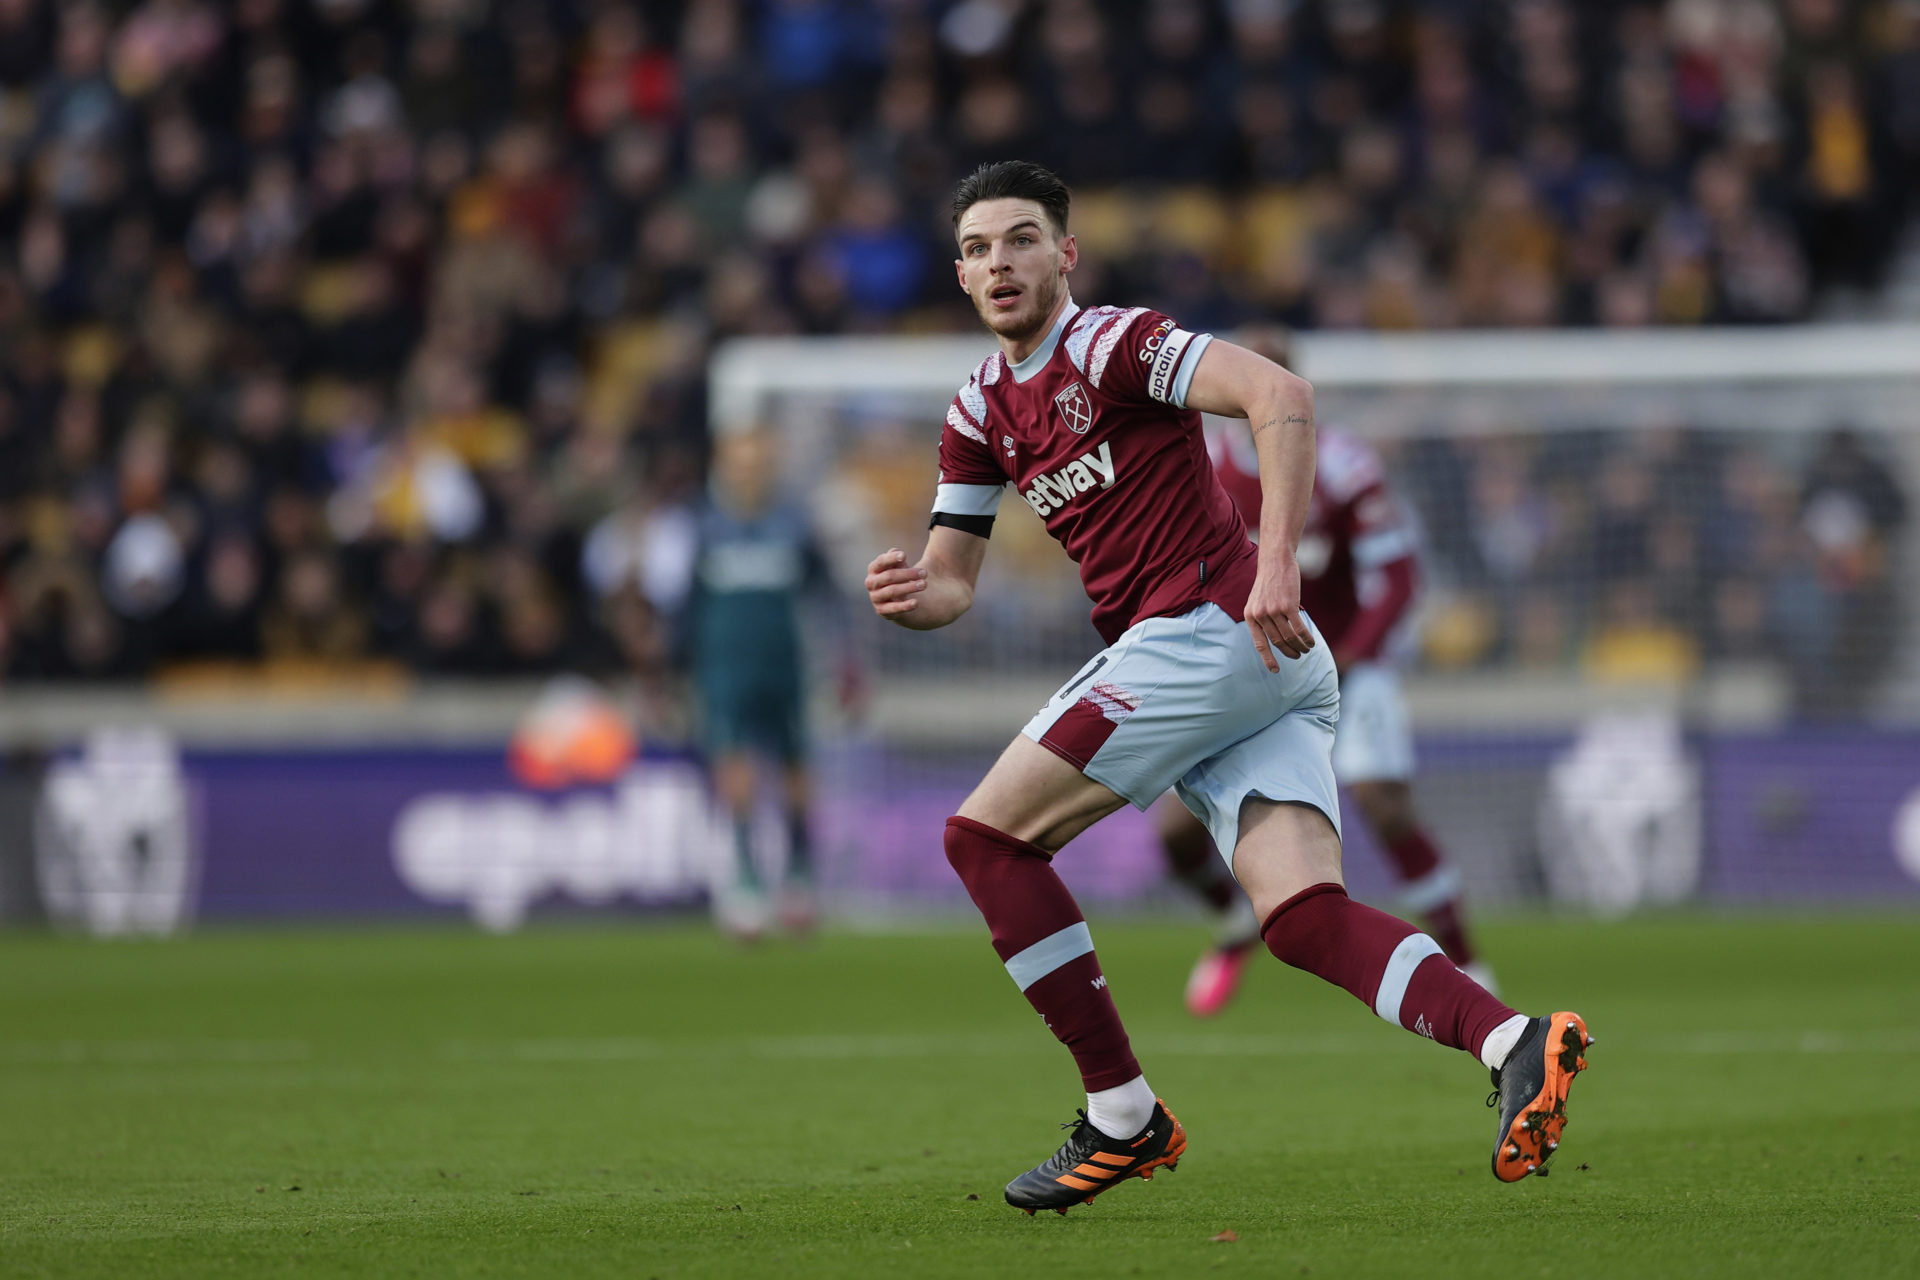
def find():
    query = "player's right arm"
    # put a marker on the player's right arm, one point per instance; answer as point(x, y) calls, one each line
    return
point(933, 592)
point(1233, 382)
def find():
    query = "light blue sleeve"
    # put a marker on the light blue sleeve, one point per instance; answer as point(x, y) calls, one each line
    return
point(1189, 361)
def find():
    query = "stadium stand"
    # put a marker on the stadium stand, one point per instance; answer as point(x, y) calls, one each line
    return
point(330, 332)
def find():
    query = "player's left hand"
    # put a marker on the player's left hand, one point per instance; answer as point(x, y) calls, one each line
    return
point(1273, 612)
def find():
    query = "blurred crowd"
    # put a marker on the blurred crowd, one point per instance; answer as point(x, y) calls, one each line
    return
point(335, 330)
point(1649, 554)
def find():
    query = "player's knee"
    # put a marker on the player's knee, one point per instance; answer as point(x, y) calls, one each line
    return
point(972, 846)
point(1284, 849)
point(961, 850)
point(1300, 930)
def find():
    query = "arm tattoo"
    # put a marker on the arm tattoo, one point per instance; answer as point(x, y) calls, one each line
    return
point(1292, 419)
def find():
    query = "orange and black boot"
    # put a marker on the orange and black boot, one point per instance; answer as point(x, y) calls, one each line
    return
point(1089, 1162)
point(1531, 1088)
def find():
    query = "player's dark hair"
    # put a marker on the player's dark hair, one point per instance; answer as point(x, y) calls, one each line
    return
point(1014, 180)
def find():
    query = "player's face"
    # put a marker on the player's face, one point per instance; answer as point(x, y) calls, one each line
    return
point(1013, 264)
point(744, 468)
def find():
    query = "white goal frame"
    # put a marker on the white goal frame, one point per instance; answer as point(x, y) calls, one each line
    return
point(1793, 378)
point(1872, 368)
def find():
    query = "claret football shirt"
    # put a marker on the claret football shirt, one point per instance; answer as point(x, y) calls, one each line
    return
point(1355, 530)
point(1093, 432)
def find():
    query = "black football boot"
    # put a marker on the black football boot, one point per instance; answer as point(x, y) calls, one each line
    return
point(1089, 1162)
point(1531, 1088)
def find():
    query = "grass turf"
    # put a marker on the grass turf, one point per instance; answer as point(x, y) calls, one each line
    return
point(648, 1101)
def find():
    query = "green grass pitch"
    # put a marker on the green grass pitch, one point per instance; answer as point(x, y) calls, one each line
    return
point(636, 1100)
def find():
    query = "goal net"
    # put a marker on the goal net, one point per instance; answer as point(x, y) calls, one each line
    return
point(1665, 645)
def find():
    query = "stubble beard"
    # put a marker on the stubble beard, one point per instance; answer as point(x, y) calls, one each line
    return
point(1020, 325)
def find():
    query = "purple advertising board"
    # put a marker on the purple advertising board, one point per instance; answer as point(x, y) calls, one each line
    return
point(1801, 816)
point(1813, 814)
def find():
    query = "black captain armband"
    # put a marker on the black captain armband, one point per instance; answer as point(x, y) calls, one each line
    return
point(978, 526)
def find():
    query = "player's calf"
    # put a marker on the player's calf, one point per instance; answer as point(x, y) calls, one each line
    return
point(1043, 940)
point(1388, 965)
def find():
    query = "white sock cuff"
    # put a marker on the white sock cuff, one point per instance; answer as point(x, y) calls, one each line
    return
point(1122, 1111)
point(1500, 1041)
point(1414, 949)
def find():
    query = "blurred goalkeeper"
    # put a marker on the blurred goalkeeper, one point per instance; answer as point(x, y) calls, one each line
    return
point(1359, 571)
point(754, 560)
point(1213, 682)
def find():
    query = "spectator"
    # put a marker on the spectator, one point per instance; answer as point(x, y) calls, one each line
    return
point(336, 302)
point(1850, 508)
point(310, 619)
point(223, 613)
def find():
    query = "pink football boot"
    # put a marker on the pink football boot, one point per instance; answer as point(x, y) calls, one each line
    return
point(1215, 978)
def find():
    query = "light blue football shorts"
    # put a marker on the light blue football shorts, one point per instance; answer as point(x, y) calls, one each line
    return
point(1185, 702)
point(1375, 743)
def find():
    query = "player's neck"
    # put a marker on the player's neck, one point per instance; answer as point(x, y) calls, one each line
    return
point(1018, 349)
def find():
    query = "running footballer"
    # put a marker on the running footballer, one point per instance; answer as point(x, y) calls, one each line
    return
point(1213, 681)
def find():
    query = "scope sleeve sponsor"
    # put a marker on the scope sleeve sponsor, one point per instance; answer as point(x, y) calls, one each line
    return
point(1153, 358)
point(1170, 369)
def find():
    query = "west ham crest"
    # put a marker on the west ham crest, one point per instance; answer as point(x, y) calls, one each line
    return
point(1076, 409)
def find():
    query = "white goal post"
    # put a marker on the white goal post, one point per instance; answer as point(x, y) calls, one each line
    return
point(1866, 364)
point(1780, 388)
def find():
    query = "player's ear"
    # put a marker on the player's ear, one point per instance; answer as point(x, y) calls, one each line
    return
point(960, 273)
point(1069, 253)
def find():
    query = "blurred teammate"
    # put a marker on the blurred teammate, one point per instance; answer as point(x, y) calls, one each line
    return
point(1213, 681)
point(1359, 570)
point(754, 558)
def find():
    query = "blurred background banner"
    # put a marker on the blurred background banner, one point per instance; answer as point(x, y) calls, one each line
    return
point(364, 366)
point(1588, 821)
point(371, 832)
point(115, 840)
